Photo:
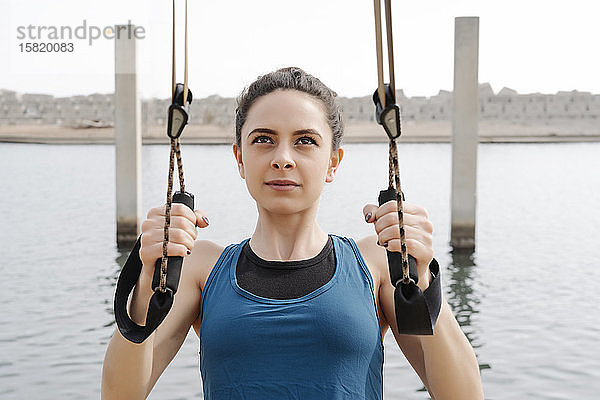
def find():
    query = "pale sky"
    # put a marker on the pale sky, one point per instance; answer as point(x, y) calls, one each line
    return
point(527, 45)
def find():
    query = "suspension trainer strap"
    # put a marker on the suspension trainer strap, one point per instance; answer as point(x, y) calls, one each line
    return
point(416, 312)
point(167, 269)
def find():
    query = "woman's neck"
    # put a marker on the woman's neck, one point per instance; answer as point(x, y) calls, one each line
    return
point(284, 237)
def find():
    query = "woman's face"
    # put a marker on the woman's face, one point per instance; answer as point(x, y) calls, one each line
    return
point(286, 137)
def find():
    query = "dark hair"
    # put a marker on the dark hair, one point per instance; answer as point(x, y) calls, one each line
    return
point(291, 78)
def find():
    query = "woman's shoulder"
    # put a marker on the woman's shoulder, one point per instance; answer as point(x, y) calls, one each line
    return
point(374, 255)
point(366, 244)
point(204, 256)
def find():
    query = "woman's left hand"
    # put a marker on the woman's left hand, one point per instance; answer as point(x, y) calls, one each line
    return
point(418, 232)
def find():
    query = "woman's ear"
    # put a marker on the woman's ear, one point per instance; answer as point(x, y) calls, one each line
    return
point(237, 153)
point(334, 162)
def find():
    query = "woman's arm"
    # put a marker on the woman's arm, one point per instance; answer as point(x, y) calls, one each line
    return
point(445, 361)
point(130, 370)
point(450, 364)
point(128, 366)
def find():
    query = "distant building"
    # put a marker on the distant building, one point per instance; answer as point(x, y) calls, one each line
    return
point(98, 109)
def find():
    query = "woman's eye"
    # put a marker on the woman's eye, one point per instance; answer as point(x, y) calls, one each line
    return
point(259, 139)
point(307, 140)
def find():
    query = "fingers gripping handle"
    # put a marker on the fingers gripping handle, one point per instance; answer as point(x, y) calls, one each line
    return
point(160, 303)
point(174, 263)
point(394, 257)
point(416, 311)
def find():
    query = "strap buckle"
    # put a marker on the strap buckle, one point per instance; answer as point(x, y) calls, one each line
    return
point(178, 112)
point(158, 289)
point(405, 281)
point(388, 116)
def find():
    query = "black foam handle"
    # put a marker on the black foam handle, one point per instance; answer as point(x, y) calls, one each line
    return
point(394, 257)
point(416, 311)
point(174, 263)
point(160, 303)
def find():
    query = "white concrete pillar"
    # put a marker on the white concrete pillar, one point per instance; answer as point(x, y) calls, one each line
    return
point(128, 140)
point(464, 131)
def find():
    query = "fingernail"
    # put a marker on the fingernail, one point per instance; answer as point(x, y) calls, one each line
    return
point(189, 252)
point(385, 244)
point(205, 219)
point(368, 217)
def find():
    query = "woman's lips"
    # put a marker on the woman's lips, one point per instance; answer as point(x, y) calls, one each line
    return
point(282, 185)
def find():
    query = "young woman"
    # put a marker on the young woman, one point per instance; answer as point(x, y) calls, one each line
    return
point(292, 312)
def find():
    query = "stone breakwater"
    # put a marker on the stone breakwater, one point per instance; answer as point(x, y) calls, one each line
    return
point(569, 115)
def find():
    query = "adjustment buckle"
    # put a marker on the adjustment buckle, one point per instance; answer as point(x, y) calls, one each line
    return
point(388, 117)
point(178, 112)
point(167, 289)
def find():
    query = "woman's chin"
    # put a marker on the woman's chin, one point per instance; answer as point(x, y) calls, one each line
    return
point(284, 206)
point(282, 209)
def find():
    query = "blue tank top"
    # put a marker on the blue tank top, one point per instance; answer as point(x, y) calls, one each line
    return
point(324, 345)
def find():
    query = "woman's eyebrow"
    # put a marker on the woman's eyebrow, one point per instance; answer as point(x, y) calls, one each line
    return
point(262, 130)
point(295, 133)
point(307, 131)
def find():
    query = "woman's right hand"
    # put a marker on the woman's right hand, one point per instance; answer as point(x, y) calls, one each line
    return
point(182, 234)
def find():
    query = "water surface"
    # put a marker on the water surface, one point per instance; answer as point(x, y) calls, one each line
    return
point(527, 298)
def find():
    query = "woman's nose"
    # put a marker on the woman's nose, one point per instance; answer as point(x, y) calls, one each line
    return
point(282, 159)
point(282, 164)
